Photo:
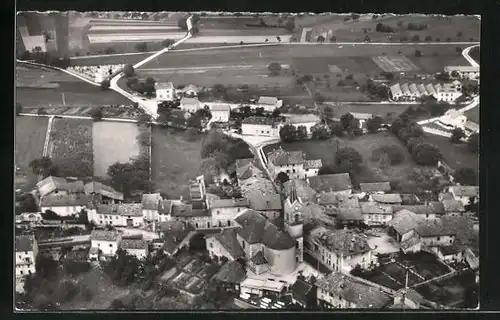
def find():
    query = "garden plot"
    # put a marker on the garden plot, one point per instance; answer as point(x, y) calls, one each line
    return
point(395, 64)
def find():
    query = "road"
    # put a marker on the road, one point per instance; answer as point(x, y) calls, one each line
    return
point(51, 116)
point(467, 57)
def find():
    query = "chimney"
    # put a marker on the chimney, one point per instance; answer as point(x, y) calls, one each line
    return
point(181, 198)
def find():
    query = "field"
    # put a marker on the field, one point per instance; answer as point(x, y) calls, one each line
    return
point(455, 155)
point(381, 110)
point(71, 147)
point(41, 87)
point(365, 145)
point(473, 114)
point(113, 142)
point(174, 161)
point(475, 53)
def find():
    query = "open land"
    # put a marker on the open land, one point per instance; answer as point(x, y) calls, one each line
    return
point(42, 88)
point(113, 142)
point(381, 110)
point(475, 53)
point(455, 155)
point(473, 114)
point(174, 161)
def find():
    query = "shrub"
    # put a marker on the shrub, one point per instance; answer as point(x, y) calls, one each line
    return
point(96, 114)
point(141, 47)
point(393, 153)
point(418, 53)
point(105, 84)
point(128, 70)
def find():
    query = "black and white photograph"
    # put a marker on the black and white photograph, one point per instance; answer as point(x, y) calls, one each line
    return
point(246, 161)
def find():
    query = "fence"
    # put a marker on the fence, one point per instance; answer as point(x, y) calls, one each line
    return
point(442, 277)
point(373, 284)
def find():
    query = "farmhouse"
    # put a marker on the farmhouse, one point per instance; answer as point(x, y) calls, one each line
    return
point(463, 72)
point(336, 183)
point(150, 204)
point(175, 235)
point(164, 91)
point(190, 104)
point(189, 91)
point(106, 242)
point(402, 228)
point(339, 250)
point(26, 252)
point(436, 233)
point(57, 186)
point(448, 93)
point(135, 247)
point(453, 207)
point(375, 213)
point(406, 91)
point(289, 162)
point(225, 244)
point(220, 112)
point(452, 119)
point(338, 291)
point(421, 90)
point(414, 91)
point(387, 198)
point(332, 200)
point(224, 210)
point(64, 204)
point(107, 194)
point(259, 126)
point(430, 90)
point(126, 214)
point(306, 120)
point(269, 103)
point(453, 253)
point(465, 194)
point(375, 187)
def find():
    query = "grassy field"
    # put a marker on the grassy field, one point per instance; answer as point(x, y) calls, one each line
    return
point(475, 53)
point(71, 147)
point(40, 87)
point(455, 155)
point(113, 142)
point(473, 114)
point(449, 291)
point(109, 59)
point(381, 110)
point(174, 161)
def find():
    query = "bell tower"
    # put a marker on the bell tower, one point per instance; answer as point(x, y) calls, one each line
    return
point(294, 222)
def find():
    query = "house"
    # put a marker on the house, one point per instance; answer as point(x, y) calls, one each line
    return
point(220, 112)
point(430, 90)
point(260, 287)
point(177, 118)
point(230, 276)
point(190, 104)
point(289, 162)
point(64, 204)
point(304, 192)
point(339, 291)
point(409, 199)
point(106, 242)
point(125, 214)
point(150, 204)
point(268, 204)
point(375, 187)
point(426, 211)
point(339, 250)
point(406, 91)
point(189, 91)
point(436, 208)
point(107, 193)
point(396, 92)
point(199, 218)
point(407, 298)
point(376, 213)
point(26, 252)
point(465, 194)
point(436, 233)
point(269, 103)
point(457, 84)
point(387, 198)
point(304, 294)
point(258, 263)
point(421, 90)
point(306, 120)
point(403, 228)
point(414, 91)
point(165, 91)
point(165, 210)
point(223, 211)
point(448, 93)
point(362, 119)
point(58, 186)
point(463, 72)
point(175, 235)
point(135, 247)
point(259, 126)
point(331, 200)
point(225, 244)
point(472, 258)
point(453, 207)
point(337, 183)
point(453, 253)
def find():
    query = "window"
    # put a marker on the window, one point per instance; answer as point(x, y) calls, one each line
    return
point(20, 257)
point(27, 260)
point(427, 215)
point(228, 223)
point(21, 271)
point(211, 244)
point(238, 209)
point(100, 221)
point(218, 211)
point(111, 245)
point(293, 170)
point(98, 244)
point(243, 244)
point(438, 238)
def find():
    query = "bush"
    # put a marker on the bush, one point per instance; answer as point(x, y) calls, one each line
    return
point(96, 114)
point(418, 53)
point(167, 43)
point(393, 153)
point(128, 70)
point(105, 84)
point(426, 154)
point(380, 27)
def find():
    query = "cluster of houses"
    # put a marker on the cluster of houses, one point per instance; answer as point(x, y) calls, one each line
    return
point(448, 92)
point(97, 73)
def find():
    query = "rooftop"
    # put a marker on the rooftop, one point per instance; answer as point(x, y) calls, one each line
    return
point(228, 239)
point(361, 115)
point(220, 107)
point(186, 210)
point(390, 198)
point(133, 244)
point(268, 100)
point(303, 191)
point(165, 207)
point(186, 100)
point(375, 187)
point(164, 85)
point(130, 209)
point(258, 120)
point(62, 200)
point(405, 221)
point(349, 214)
point(453, 206)
point(24, 243)
point(104, 235)
point(263, 202)
point(375, 208)
point(313, 164)
point(232, 272)
point(100, 188)
point(279, 157)
point(345, 242)
point(51, 184)
point(436, 207)
point(461, 68)
point(330, 182)
point(301, 118)
point(229, 203)
point(258, 259)
point(300, 289)
point(465, 191)
point(417, 208)
point(150, 201)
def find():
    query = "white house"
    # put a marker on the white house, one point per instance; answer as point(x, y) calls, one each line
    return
point(106, 242)
point(406, 91)
point(465, 194)
point(190, 104)
point(150, 203)
point(120, 215)
point(414, 91)
point(448, 93)
point(64, 204)
point(376, 214)
point(306, 120)
point(289, 162)
point(453, 253)
point(396, 92)
point(189, 91)
point(26, 253)
point(135, 247)
point(223, 211)
point(463, 72)
point(421, 90)
point(259, 126)
point(165, 91)
point(452, 119)
point(220, 112)
point(430, 90)
point(269, 103)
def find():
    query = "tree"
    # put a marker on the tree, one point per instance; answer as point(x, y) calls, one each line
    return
point(428, 38)
point(320, 39)
point(426, 154)
point(320, 132)
point(122, 268)
point(128, 70)
point(459, 34)
point(333, 39)
point(288, 133)
point(348, 158)
point(41, 111)
point(96, 114)
point(349, 123)
point(19, 108)
point(259, 111)
point(282, 177)
point(456, 135)
point(43, 166)
point(141, 47)
point(290, 25)
point(182, 23)
point(415, 38)
point(274, 68)
point(392, 152)
point(473, 143)
point(374, 124)
point(105, 84)
point(466, 176)
point(301, 133)
point(167, 43)
point(418, 53)
point(337, 129)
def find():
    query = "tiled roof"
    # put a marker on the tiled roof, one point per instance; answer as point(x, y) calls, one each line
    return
point(227, 238)
point(313, 164)
point(51, 184)
point(268, 100)
point(258, 120)
point(229, 203)
point(409, 199)
point(330, 182)
point(190, 87)
point(421, 88)
point(62, 200)
point(362, 295)
point(405, 89)
point(413, 88)
point(186, 100)
point(104, 235)
point(220, 107)
point(471, 126)
point(430, 89)
point(396, 90)
point(300, 289)
point(75, 187)
point(261, 201)
point(404, 221)
point(410, 242)
point(186, 210)
point(436, 207)
point(361, 115)
point(375, 208)
point(302, 118)
point(453, 206)
point(461, 68)
point(465, 191)
point(133, 244)
point(349, 214)
point(391, 198)
point(345, 242)
point(102, 189)
point(258, 259)
point(255, 228)
point(453, 249)
point(418, 208)
point(163, 85)
point(232, 272)
point(150, 201)
point(279, 157)
point(130, 209)
point(304, 192)
point(24, 243)
point(435, 228)
point(375, 187)
point(107, 209)
point(165, 207)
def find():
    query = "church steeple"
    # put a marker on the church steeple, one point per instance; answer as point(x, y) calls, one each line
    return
point(293, 196)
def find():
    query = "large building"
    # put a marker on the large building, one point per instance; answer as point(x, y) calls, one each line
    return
point(293, 163)
point(26, 252)
point(259, 126)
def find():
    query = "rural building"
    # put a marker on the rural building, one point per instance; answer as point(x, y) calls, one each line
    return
point(230, 276)
point(150, 204)
point(225, 244)
point(339, 250)
point(120, 215)
point(190, 91)
point(452, 119)
point(463, 72)
point(58, 186)
point(336, 183)
point(303, 293)
point(269, 204)
point(220, 112)
point(190, 104)
point(414, 91)
point(450, 254)
point(26, 253)
point(260, 287)
point(259, 126)
point(407, 299)
point(165, 91)
point(430, 90)
point(106, 242)
point(165, 210)
point(386, 198)
point(29, 217)
point(421, 90)
point(338, 291)
point(448, 93)
point(306, 120)
point(436, 233)
point(175, 235)
point(402, 228)
point(135, 247)
point(453, 207)
point(471, 127)
point(406, 91)
point(426, 211)
point(465, 194)
point(107, 194)
point(375, 187)
point(64, 204)
point(362, 118)
point(376, 213)
point(396, 92)
point(269, 103)
point(289, 162)
point(199, 218)
point(223, 211)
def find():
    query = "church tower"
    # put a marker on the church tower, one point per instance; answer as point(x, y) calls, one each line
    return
point(294, 222)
